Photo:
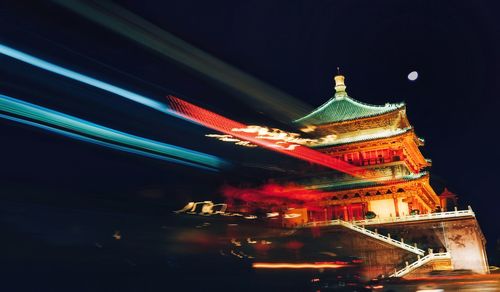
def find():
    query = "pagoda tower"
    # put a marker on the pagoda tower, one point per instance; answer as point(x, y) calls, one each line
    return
point(379, 139)
point(385, 212)
point(396, 197)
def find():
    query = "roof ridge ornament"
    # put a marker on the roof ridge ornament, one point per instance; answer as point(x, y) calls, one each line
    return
point(341, 108)
point(339, 85)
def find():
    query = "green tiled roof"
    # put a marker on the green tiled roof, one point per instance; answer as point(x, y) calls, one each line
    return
point(344, 108)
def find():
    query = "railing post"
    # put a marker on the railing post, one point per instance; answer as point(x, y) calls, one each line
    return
point(389, 235)
point(406, 263)
point(376, 230)
point(415, 245)
point(402, 241)
point(430, 250)
point(469, 207)
point(418, 256)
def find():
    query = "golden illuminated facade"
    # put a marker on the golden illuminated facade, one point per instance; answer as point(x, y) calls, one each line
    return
point(382, 209)
point(380, 140)
point(395, 197)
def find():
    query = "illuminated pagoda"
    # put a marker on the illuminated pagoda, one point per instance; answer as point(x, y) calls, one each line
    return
point(379, 139)
point(400, 226)
point(385, 213)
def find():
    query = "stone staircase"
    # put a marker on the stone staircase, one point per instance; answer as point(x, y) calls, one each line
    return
point(372, 234)
point(420, 262)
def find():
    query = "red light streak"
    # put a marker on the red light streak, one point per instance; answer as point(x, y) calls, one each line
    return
point(275, 195)
point(294, 244)
point(222, 124)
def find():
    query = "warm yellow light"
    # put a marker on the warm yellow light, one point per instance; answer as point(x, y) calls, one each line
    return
point(308, 129)
point(383, 208)
point(249, 240)
point(273, 134)
point(296, 266)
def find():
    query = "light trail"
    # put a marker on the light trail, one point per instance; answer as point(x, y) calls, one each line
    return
point(207, 118)
point(222, 124)
point(255, 93)
point(66, 123)
point(51, 67)
point(321, 265)
point(104, 144)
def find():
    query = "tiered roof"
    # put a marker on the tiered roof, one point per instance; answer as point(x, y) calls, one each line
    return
point(343, 120)
point(342, 108)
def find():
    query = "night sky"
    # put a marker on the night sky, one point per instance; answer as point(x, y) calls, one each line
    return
point(294, 46)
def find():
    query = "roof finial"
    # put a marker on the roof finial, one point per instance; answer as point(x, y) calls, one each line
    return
point(339, 85)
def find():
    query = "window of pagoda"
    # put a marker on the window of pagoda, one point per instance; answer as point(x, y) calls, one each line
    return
point(379, 156)
point(397, 155)
point(385, 153)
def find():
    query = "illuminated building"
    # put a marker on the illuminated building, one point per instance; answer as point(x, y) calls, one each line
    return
point(381, 140)
point(395, 198)
point(365, 194)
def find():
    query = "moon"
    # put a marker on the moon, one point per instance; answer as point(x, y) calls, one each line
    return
point(413, 76)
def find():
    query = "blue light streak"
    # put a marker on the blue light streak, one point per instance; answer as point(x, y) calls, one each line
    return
point(104, 144)
point(26, 58)
point(54, 118)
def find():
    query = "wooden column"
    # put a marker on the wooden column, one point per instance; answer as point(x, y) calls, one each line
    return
point(396, 206)
point(346, 215)
point(415, 204)
point(410, 204)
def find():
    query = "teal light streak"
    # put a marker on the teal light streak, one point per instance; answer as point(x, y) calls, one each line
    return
point(104, 144)
point(54, 118)
point(23, 57)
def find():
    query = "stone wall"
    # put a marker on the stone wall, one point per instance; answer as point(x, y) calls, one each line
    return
point(466, 245)
point(379, 258)
point(461, 237)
